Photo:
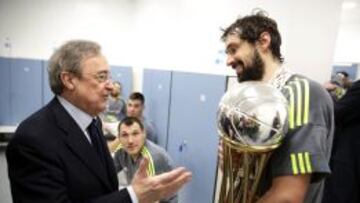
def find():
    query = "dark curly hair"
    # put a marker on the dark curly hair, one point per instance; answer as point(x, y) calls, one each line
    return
point(250, 28)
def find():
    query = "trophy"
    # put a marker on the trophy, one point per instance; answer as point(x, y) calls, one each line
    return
point(251, 122)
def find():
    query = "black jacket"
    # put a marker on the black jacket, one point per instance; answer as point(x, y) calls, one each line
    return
point(344, 183)
point(51, 161)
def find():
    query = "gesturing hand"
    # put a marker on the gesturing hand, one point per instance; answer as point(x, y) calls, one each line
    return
point(150, 189)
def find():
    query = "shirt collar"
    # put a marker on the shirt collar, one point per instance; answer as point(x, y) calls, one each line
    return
point(81, 118)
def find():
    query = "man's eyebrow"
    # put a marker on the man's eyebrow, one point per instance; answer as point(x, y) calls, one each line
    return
point(103, 71)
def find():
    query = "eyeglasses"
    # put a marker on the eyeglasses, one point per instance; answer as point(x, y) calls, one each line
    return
point(102, 77)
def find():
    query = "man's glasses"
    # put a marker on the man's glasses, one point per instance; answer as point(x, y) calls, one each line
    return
point(102, 77)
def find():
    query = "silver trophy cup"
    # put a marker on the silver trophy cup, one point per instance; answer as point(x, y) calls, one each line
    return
point(251, 121)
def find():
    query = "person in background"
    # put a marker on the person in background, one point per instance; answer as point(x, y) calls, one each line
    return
point(59, 154)
point(338, 85)
point(114, 113)
point(116, 106)
point(344, 184)
point(135, 108)
point(135, 146)
point(296, 170)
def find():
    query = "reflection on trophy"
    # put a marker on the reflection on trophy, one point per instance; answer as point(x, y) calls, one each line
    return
point(251, 122)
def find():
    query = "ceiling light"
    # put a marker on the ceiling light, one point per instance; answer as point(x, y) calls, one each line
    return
point(349, 5)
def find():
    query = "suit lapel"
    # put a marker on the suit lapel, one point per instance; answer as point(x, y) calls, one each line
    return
point(79, 145)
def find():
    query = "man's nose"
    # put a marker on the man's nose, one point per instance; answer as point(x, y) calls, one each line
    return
point(229, 60)
point(130, 139)
point(109, 85)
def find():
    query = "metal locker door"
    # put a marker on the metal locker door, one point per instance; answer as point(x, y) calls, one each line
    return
point(5, 114)
point(47, 94)
point(156, 89)
point(26, 88)
point(193, 137)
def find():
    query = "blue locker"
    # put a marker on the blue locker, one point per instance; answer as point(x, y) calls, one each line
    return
point(193, 138)
point(156, 89)
point(125, 77)
point(26, 88)
point(5, 115)
point(47, 94)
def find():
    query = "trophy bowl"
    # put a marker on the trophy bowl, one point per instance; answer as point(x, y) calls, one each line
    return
point(253, 117)
point(251, 122)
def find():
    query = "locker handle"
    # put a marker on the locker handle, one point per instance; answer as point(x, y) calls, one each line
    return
point(182, 146)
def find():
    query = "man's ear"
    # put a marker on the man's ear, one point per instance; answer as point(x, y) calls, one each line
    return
point(67, 79)
point(264, 41)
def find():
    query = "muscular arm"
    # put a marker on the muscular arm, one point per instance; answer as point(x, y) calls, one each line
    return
point(287, 189)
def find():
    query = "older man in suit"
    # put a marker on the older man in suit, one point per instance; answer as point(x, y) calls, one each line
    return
point(58, 154)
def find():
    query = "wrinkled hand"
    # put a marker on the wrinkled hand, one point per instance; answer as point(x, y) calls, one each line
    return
point(151, 189)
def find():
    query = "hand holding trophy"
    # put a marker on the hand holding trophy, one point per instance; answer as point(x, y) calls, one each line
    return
point(251, 122)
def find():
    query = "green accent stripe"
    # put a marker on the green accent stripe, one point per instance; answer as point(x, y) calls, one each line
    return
point(308, 162)
point(307, 101)
point(301, 163)
point(291, 107)
point(294, 164)
point(151, 168)
point(152, 163)
point(145, 153)
point(299, 103)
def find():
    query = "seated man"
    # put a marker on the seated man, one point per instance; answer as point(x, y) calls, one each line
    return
point(135, 108)
point(116, 106)
point(134, 146)
point(115, 111)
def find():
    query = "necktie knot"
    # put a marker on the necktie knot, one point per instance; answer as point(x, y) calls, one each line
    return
point(93, 123)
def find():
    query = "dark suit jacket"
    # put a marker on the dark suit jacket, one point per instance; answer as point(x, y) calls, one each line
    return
point(344, 183)
point(50, 160)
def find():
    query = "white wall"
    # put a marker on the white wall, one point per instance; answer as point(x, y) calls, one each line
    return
point(348, 44)
point(348, 40)
point(168, 34)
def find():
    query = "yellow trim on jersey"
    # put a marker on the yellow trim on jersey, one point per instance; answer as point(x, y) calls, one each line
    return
point(291, 109)
point(308, 162)
point(299, 103)
point(301, 161)
point(306, 100)
point(151, 168)
point(299, 91)
point(294, 164)
point(145, 153)
point(118, 147)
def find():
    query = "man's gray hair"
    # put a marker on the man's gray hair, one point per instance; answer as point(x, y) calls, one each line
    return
point(69, 57)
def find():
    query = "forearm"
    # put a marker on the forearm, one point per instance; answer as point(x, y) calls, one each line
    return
point(278, 197)
point(287, 189)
